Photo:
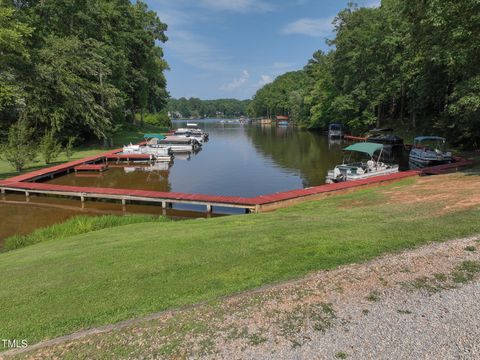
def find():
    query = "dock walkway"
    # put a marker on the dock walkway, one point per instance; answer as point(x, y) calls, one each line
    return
point(27, 184)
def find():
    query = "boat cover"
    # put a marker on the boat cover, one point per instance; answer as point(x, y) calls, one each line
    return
point(429, 138)
point(365, 147)
point(154, 136)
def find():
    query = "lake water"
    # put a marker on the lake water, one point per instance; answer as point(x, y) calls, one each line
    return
point(238, 160)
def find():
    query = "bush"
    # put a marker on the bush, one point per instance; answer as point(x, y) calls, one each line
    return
point(75, 226)
point(68, 149)
point(19, 148)
point(50, 148)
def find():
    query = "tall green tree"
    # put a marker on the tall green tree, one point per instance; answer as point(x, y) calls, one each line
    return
point(14, 55)
point(284, 96)
point(92, 63)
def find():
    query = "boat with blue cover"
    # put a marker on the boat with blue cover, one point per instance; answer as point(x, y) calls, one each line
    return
point(429, 150)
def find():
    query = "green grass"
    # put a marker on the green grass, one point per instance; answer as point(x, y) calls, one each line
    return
point(6, 170)
point(61, 286)
point(127, 134)
point(75, 226)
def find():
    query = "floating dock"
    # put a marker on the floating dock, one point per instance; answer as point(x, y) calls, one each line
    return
point(130, 157)
point(91, 167)
point(27, 184)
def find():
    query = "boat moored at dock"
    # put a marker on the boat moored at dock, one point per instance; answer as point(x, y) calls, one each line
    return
point(360, 170)
point(335, 131)
point(198, 134)
point(157, 153)
point(180, 143)
point(429, 150)
point(392, 144)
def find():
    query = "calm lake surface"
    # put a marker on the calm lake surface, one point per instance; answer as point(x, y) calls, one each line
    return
point(238, 160)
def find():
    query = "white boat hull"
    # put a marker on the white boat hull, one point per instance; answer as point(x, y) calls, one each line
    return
point(181, 148)
point(160, 153)
point(333, 176)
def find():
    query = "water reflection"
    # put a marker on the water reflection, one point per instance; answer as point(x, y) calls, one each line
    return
point(308, 154)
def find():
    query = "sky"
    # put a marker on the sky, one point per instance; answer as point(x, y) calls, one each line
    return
point(231, 48)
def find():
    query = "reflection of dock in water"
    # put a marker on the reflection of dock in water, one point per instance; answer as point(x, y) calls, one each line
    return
point(95, 208)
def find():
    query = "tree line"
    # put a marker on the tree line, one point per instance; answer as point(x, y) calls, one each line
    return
point(196, 108)
point(408, 64)
point(79, 68)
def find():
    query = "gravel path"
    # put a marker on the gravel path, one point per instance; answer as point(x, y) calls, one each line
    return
point(418, 304)
point(445, 325)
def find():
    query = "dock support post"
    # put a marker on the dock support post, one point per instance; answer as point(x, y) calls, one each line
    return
point(164, 205)
point(3, 193)
point(209, 208)
point(124, 202)
point(27, 196)
point(82, 198)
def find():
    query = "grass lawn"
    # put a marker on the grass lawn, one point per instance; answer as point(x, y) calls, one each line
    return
point(60, 286)
point(128, 134)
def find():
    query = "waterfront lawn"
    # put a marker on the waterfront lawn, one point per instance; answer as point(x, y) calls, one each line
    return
point(61, 286)
point(129, 133)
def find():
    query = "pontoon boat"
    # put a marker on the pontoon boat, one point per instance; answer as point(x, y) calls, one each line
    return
point(429, 150)
point(335, 131)
point(362, 169)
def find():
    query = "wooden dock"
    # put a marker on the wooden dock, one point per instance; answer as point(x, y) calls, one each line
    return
point(130, 157)
point(27, 184)
point(91, 167)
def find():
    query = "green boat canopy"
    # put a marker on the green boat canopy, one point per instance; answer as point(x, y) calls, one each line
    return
point(152, 136)
point(365, 147)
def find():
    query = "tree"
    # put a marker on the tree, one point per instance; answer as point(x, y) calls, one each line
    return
point(68, 149)
point(69, 94)
point(19, 148)
point(14, 35)
point(49, 147)
point(284, 96)
point(88, 66)
point(196, 107)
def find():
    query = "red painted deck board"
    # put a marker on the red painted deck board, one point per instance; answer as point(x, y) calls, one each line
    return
point(91, 167)
point(354, 138)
